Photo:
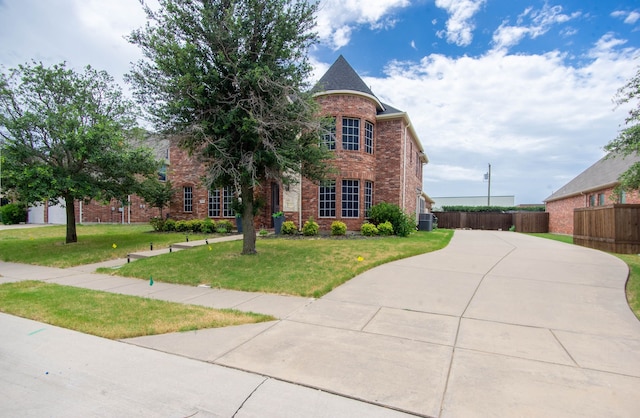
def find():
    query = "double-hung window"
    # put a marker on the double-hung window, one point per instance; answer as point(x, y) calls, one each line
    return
point(368, 197)
point(227, 200)
point(214, 203)
point(368, 137)
point(188, 198)
point(350, 198)
point(350, 134)
point(327, 199)
point(329, 135)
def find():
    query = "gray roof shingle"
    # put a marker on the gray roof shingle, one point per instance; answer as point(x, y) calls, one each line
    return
point(600, 175)
point(341, 76)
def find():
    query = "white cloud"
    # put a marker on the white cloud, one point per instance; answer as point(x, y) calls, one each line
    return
point(413, 45)
point(533, 117)
point(459, 26)
point(80, 32)
point(630, 18)
point(337, 19)
point(539, 23)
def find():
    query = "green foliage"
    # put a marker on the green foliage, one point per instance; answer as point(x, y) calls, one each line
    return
point(289, 228)
point(157, 223)
point(226, 73)
point(170, 225)
point(156, 193)
point(69, 136)
point(338, 228)
point(224, 226)
point(499, 209)
point(628, 141)
point(208, 226)
point(403, 225)
point(368, 230)
point(195, 225)
point(310, 228)
point(385, 228)
point(182, 226)
point(13, 213)
point(263, 232)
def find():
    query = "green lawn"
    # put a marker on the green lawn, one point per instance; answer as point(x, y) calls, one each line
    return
point(111, 315)
point(304, 267)
point(632, 260)
point(45, 246)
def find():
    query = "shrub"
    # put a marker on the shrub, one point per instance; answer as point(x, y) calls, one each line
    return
point(406, 226)
point(157, 223)
point(13, 213)
point(368, 230)
point(263, 232)
point(310, 228)
point(182, 226)
point(169, 225)
point(385, 228)
point(194, 225)
point(288, 228)
point(224, 226)
point(338, 228)
point(208, 226)
point(403, 224)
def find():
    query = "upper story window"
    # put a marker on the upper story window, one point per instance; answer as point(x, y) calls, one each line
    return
point(188, 198)
point(327, 199)
point(368, 137)
point(329, 135)
point(350, 134)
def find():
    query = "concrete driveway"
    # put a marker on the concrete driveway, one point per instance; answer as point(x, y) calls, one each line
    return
point(496, 324)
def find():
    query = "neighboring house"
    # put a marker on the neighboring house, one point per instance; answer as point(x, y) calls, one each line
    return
point(378, 157)
point(593, 187)
point(135, 210)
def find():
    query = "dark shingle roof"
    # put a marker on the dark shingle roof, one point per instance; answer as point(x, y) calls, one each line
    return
point(341, 76)
point(602, 174)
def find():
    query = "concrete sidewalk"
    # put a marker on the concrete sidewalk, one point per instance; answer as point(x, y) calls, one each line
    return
point(496, 324)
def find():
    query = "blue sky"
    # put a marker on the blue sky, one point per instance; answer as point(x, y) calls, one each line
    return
point(525, 85)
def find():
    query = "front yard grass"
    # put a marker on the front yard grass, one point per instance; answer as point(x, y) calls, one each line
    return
point(632, 260)
point(302, 267)
point(111, 315)
point(45, 245)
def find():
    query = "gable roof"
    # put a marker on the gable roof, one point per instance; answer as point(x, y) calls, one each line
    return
point(601, 175)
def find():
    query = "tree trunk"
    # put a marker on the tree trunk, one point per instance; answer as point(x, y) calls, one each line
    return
point(72, 236)
point(248, 230)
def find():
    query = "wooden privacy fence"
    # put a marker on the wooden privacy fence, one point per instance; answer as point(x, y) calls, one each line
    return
point(523, 221)
point(613, 228)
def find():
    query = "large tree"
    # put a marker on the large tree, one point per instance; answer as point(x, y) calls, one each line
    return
point(628, 141)
point(228, 77)
point(66, 137)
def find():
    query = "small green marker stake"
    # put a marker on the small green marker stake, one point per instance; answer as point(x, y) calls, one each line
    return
point(150, 280)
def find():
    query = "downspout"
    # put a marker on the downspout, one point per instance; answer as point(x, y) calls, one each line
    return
point(404, 167)
point(80, 205)
point(129, 209)
point(300, 203)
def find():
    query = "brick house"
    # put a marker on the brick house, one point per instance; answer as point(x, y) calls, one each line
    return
point(593, 187)
point(378, 157)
